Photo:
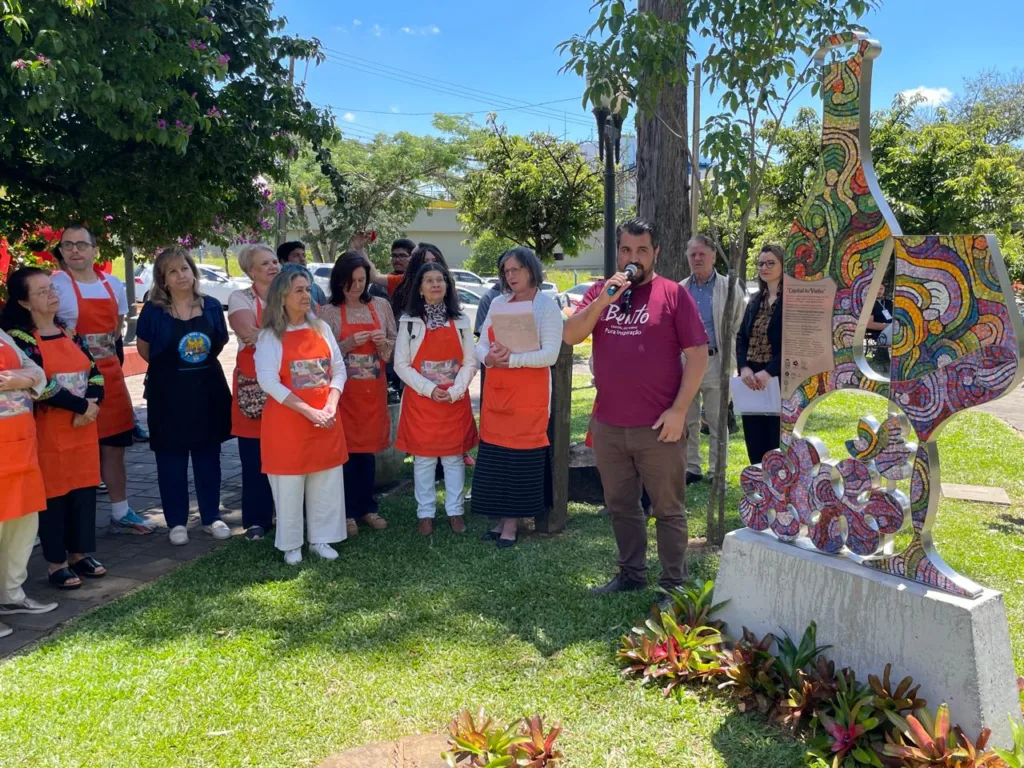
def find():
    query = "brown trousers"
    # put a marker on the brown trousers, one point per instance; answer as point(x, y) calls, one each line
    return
point(629, 459)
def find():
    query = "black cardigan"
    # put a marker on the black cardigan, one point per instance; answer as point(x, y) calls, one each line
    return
point(774, 334)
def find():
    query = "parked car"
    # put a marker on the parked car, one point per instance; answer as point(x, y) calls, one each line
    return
point(571, 298)
point(470, 304)
point(213, 281)
point(471, 281)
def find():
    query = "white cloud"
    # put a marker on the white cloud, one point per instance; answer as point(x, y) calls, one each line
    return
point(377, 30)
point(395, 109)
point(348, 117)
point(931, 97)
point(356, 23)
point(430, 29)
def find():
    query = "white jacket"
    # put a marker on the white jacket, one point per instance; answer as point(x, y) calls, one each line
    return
point(411, 331)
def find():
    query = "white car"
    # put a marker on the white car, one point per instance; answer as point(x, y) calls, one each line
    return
point(213, 281)
point(470, 304)
point(572, 297)
point(471, 281)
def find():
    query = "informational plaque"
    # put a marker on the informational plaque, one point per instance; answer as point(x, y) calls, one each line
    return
point(515, 326)
point(806, 330)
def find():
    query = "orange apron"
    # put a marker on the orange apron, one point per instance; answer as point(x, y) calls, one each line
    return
point(290, 443)
point(22, 483)
point(97, 324)
point(429, 428)
point(364, 403)
point(68, 455)
point(245, 363)
point(514, 413)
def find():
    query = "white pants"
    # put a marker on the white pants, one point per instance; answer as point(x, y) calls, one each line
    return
point(710, 396)
point(17, 537)
point(322, 495)
point(423, 468)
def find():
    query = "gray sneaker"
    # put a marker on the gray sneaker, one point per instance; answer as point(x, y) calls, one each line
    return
point(5, 630)
point(28, 605)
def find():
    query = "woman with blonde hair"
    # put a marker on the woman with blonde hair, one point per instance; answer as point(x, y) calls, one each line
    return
point(300, 367)
point(245, 309)
point(180, 334)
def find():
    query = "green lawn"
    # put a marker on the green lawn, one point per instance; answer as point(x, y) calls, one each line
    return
point(239, 660)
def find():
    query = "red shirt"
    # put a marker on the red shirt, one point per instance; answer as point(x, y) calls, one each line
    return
point(638, 365)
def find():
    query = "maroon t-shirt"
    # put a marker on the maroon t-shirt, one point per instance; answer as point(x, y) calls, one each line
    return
point(637, 357)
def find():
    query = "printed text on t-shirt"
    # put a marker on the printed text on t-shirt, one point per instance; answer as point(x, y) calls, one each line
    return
point(623, 324)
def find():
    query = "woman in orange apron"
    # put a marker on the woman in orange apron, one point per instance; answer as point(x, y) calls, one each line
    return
point(511, 478)
point(23, 493)
point(66, 415)
point(435, 358)
point(365, 330)
point(299, 366)
point(245, 309)
point(90, 308)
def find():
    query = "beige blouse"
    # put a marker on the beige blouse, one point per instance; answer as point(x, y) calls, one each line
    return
point(331, 315)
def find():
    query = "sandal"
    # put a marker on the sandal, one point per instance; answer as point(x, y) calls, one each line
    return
point(89, 567)
point(62, 576)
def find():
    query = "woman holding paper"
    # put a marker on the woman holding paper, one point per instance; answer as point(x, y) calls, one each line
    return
point(519, 342)
point(435, 358)
point(759, 350)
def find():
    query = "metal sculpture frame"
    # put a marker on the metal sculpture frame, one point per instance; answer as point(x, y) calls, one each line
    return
point(958, 344)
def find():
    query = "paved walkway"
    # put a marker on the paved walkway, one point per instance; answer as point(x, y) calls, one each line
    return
point(1010, 408)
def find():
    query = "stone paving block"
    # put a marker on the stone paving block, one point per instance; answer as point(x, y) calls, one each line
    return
point(20, 639)
point(977, 493)
point(46, 622)
point(145, 568)
point(95, 591)
point(410, 752)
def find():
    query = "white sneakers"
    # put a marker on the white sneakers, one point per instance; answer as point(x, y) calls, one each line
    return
point(5, 630)
point(326, 551)
point(219, 530)
point(179, 536)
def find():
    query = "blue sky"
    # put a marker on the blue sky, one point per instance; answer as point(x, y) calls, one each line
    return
point(504, 53)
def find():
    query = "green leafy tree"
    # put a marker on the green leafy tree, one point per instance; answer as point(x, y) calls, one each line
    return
point(758, 59)
point(485, 251)
point(996, 99)
point(380, 185)
point(533, 190)
point(150, 120)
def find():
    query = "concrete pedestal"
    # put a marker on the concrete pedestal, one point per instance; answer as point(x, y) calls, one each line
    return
point(389, 461)
point(957, 649)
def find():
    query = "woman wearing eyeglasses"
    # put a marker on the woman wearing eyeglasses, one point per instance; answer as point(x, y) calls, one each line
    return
point(759, 350)
point(512, 461)
point(66, 412)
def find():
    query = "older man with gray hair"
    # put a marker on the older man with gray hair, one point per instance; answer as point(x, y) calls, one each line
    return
point(709, 290)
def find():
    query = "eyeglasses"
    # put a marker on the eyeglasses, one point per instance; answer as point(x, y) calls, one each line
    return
point(627, 301)
point(512, 271)
point(79, 245)
point(51, 291)
point(766, 264)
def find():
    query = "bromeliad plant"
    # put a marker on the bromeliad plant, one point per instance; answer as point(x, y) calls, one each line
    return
point(752, 676)
point(680, 645)
point(483, 743)
point(921, 741)
point(852, 735)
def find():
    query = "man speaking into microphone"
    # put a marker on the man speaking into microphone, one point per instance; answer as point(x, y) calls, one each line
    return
point(642, 325)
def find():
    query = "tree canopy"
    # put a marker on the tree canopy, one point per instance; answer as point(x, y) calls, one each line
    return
point(533, 190)
point(150, 119)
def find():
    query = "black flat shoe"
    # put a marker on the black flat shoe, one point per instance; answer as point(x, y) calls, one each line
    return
point(491, 536)
point(62, 576)
point(507, 543)
point(89, 567)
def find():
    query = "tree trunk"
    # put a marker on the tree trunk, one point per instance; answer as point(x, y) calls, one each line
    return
point(663, 188)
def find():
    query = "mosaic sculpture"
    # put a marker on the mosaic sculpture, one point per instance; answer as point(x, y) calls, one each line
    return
point(958, 344)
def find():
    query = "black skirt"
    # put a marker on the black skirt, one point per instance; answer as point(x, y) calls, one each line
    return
point(509, 482)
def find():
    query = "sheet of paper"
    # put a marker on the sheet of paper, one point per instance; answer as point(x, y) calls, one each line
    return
point(515, 326)
point(754, 402)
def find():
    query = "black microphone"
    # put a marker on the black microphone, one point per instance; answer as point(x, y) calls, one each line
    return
point(630, 270)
